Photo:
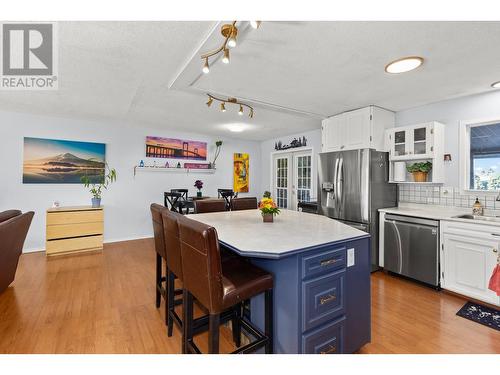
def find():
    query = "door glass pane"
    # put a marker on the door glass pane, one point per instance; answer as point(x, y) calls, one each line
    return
point(282, 182)
point(304, 178)
point(400, 143)
point(400, 137)
point(419, 141)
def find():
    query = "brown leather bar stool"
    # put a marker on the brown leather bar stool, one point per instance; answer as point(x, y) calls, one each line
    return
point(219, 286)
point(174, 271)
point(247, 203)
point(156, 214)
point(209, 205)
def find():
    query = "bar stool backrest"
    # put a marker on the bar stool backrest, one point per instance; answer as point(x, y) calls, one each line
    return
point(246, 203)
point(156, 214)
point(172, 242)
point(201, 263)
point(183, 192)
point(209, 205)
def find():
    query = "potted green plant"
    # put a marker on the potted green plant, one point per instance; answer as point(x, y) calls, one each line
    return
point(419, 170)
point(218, 145)
point(95, 188)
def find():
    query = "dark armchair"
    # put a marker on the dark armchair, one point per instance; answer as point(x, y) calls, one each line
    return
point(13, 230)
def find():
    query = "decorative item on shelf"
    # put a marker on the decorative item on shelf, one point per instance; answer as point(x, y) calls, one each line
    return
point(268, 208)
point(172, 148)
point(477, 208)
point(399, 171)
point(234, 101)
point(241, 179)
point(300, 142)
point(178, 165)
point(109, 176)
point(154, 163)
point(167, 165)
point(198, 184)
point(447, 157)
point(196, 166)
point(141, 164)
point(55, 204)
point(218, 146)
point(230, 32)
point(420, 170)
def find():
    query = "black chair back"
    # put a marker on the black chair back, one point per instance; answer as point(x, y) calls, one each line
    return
point(171, 201)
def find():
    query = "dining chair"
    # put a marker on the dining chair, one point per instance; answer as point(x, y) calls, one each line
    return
point(227, 195)
point(209, 205)
point(161, 255)
point(246, 203)
point(186, 204)
point(219, 286)
point(171, 201)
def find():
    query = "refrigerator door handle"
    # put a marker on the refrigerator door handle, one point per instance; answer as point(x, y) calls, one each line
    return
point(340, 178)
point(335, 185)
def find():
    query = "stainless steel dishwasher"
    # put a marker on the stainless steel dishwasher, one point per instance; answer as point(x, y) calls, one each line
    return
point(411, 247)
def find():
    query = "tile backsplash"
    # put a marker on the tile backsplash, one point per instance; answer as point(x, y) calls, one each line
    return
point(444, 196)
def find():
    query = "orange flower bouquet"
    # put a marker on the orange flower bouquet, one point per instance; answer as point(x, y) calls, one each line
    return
point(268, 208)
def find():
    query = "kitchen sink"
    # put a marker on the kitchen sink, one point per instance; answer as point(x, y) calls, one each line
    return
point(479, 217)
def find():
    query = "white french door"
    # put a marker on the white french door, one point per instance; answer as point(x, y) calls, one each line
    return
point(292, 178)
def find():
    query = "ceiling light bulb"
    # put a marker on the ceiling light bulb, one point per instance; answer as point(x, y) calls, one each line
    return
point(225, 59)
point(231, 42)
point(404, 65)
point(222, 107)
point(240, 112)
point(496, 85)
point(210, 100)
point(206, 67)
point(255, 24)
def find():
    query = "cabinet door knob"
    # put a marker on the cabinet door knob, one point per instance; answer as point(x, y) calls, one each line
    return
point(495, 250)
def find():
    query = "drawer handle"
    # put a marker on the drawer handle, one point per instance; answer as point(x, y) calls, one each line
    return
point(327, 262)
point(331, 349)
point(327, 299)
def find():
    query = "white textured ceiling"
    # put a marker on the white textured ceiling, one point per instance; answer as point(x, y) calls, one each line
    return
point(122, 70)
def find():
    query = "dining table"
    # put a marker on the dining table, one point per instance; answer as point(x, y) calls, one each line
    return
point(321, 273)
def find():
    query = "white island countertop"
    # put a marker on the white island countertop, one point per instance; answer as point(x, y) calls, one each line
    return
point(291, 232)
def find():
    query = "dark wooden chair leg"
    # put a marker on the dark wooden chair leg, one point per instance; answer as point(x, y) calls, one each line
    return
point(213, 333)
point(268, 329)
point(187, 326)
point(158, 279)
point(170, 302)
point(236, 325)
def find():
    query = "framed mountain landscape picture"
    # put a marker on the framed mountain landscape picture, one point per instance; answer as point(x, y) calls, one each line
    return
point(54, 161)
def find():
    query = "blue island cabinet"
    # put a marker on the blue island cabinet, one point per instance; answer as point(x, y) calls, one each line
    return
point(321, 299)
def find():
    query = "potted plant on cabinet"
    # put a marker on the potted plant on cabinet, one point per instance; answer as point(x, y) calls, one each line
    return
point(420, 170)
point(108, 177)
point(198, 184)
point(268, 208)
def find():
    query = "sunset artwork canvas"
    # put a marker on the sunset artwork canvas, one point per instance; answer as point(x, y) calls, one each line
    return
point(53, 161)
point(158, 147)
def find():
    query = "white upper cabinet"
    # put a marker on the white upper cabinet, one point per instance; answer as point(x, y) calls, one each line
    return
point(414, 142)
point(361, 128)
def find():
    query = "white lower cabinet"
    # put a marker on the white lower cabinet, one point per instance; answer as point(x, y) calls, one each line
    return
point(468, 256)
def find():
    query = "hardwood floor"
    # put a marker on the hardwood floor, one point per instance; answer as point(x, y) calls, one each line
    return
point(104, 303)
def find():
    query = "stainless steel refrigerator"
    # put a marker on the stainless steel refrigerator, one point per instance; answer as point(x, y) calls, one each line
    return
point(352, 186)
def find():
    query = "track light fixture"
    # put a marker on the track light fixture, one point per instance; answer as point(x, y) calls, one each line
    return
point(235, 101)
point(206, 67)
point(230, 33)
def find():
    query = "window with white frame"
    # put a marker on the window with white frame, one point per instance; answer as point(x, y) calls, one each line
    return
point(481, 155)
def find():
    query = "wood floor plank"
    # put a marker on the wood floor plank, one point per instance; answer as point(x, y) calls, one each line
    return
point(104, 303)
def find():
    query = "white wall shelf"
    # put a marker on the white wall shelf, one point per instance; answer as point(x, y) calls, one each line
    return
point(173, 170)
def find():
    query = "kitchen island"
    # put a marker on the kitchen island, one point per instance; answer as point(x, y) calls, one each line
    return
point(321, 271)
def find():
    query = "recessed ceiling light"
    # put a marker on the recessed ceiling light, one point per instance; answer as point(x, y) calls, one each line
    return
point(496, 85)
point(404, 65)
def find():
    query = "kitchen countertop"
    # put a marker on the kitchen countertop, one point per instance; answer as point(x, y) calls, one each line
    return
point(436, 212)
point(292, 231)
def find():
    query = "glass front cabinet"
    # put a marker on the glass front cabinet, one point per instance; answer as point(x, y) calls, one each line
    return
point(411, 142)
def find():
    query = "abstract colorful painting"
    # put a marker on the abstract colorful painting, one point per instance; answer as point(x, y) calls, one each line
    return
point(241, 173)
point(54, 161)
point(158, 147)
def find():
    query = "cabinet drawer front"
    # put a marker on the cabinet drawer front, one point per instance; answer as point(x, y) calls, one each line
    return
point(74, 230)
point(74, 217)
point(323, 299)
point(74, 244)
point(326, 340)
point(325, 262)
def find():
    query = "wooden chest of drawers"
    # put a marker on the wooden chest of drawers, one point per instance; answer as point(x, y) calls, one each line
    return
point(74, 229)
